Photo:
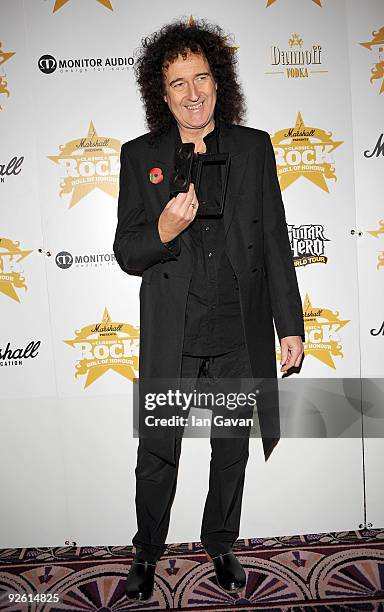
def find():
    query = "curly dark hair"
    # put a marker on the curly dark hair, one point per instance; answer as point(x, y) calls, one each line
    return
point(178, 38)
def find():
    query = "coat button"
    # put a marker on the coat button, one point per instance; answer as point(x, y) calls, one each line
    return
point(255, 219)
point(165, 274)
point(250, 245)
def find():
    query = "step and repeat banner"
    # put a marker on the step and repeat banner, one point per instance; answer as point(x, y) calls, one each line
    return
point(313, 75)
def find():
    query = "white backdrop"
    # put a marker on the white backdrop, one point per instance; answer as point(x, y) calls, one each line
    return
point(68, 101)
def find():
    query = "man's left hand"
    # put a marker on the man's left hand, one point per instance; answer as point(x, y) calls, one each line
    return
point(292, 351)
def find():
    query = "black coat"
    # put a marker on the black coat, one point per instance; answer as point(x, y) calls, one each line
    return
point(257, 245)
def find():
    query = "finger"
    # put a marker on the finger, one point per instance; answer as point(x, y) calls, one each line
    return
point(171, 201)
point(183, 201)
point(284, 355)
point(298, 360)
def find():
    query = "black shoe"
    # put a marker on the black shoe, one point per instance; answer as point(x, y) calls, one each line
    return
point(230, 573)
point(140, 580)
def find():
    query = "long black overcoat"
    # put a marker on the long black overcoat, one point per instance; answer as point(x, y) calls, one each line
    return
point(257, 245)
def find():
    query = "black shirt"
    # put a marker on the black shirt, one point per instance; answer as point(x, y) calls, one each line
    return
point(213, 323)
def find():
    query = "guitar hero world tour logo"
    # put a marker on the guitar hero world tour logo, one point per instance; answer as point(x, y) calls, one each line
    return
point(88, 163)
point(106, 345)
point(297, 60)
point(307, 244)
point(305, 151)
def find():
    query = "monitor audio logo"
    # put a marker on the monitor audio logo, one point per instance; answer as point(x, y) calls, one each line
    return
point(60, 3)
point(11, 273)
point(304, 151)
point(88, 163)
point(376, 46)
point(106, 345)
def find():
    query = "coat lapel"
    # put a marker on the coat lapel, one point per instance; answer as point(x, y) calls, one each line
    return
point(239, 160)
point(163, 157)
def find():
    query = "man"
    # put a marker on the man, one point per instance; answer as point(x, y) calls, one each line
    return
point(211, 287)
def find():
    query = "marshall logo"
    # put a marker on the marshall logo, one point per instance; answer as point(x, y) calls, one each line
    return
point(307, 244)
point(322, 328)
point(376, 46)
point(269, 2)
point(4, 91)
point(379, 331)
point(297, 61)
point(11, 168)
point(48, 64)
point(304, 151)
point(11, 277)
point(89, 163)
point(16, 356)
point(107, 345)
point(378, 150)
point(60, 3)
point(376, 234)
point(65, 260)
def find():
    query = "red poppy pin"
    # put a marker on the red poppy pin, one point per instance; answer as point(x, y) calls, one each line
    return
point(156, 175)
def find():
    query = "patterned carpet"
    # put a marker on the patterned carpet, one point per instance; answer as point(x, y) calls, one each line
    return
point(315, 572)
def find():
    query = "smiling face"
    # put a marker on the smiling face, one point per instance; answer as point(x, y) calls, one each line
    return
point(190, 91)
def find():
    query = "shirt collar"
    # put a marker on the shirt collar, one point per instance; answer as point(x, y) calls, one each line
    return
point(212, 134)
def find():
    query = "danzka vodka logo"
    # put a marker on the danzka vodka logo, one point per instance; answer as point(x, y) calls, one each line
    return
point(269, 2)
point(89, 163)
point(379, 233)
point(322, 339)
point(304, 151)
point(307, 244)
point(4, 89)
point(59, 3)
point(297, 61)
point(376, 46)
point(11, 273)
point(107, 345)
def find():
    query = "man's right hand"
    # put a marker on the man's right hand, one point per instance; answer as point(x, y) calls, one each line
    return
point(178, 214)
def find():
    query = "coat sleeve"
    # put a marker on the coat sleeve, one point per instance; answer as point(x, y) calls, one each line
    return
point(137, 244)
point(280, 270)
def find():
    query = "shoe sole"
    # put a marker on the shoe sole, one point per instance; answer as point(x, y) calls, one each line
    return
point(136, 600)
point(224, 589)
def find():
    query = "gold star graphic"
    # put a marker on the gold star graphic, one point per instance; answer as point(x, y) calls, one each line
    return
point(11, 254)
point(377, 232)
point(60, 3)
point(4, 56)
point(90, 163)
point(192, 23)
point(106, 345)
point(269, 2)
point(377, 71)
point(321, 328)
point(304, 151)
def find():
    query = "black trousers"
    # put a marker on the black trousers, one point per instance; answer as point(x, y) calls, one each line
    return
point(156, 479)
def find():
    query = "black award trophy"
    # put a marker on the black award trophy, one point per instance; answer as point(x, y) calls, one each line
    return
point(208, 171)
